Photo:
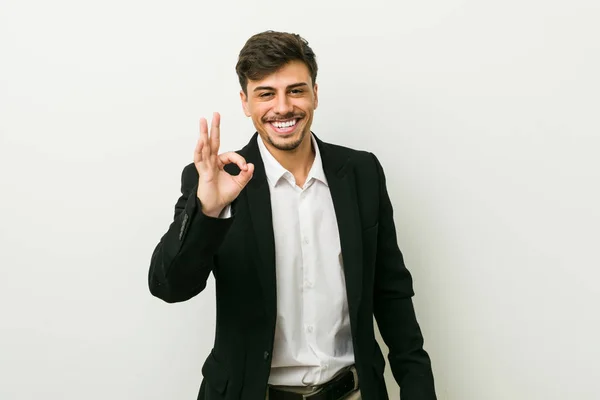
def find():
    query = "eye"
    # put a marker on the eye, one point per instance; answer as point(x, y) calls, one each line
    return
point(265, 94)
point(297, 91)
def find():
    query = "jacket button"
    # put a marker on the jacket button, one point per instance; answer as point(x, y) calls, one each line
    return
point(266, 355)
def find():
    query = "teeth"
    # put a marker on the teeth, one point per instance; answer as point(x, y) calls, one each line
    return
point(284, 124)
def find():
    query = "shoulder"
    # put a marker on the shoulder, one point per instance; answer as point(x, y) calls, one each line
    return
point(359, 159)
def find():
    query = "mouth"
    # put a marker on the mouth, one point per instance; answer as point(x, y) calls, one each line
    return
point(284, 127)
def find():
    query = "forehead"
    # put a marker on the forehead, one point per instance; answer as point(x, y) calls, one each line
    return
point(291, 73)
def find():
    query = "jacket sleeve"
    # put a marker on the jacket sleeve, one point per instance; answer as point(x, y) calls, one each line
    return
point(394, 311)
point(183, 259)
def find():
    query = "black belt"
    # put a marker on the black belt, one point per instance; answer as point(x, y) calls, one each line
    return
point(336, 389)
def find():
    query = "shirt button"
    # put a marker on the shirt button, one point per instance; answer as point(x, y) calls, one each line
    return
point(309, 328)
point(308, 284)
point(305, 240)
point(266, 355)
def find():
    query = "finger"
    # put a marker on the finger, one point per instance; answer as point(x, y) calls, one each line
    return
point(215, 133)
point(198, 151)
point(244, 176)
point(203, 127)
point(233, 158)
point(205, 153)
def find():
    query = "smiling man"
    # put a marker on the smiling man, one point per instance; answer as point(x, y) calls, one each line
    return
point(300, 237)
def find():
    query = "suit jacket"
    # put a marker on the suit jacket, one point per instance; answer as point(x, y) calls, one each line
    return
point(240, 253)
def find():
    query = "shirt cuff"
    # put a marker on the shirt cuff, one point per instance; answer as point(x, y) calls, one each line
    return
point(226, 212)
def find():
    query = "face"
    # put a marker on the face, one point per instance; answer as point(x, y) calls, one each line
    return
point(282, 106)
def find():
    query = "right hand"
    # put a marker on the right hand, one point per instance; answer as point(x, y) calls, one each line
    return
point(217, 188)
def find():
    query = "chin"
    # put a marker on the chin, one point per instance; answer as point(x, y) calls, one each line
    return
point(286, 142)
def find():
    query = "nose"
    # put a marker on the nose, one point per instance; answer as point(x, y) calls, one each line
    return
point(283, 105)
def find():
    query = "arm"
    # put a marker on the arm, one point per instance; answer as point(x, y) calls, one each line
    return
point(394, 311)
point(183, 259)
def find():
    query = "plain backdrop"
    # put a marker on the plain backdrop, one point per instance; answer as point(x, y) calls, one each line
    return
point(484, 115)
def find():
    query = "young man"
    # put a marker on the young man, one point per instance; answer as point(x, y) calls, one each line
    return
point(300, 237)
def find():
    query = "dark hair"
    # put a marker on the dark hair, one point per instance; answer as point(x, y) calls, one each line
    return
point(266, 52)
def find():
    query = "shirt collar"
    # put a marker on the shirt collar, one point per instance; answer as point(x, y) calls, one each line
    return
point(275, 171)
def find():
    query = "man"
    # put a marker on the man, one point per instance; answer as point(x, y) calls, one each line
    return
point(300, 237)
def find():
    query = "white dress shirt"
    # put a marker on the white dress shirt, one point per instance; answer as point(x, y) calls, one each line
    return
point(312, 337)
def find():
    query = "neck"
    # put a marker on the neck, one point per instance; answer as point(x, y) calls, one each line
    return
point(297, 161)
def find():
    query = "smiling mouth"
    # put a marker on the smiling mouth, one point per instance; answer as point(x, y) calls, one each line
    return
point(284, 126)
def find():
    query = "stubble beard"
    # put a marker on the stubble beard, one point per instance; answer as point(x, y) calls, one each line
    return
point(287, 146)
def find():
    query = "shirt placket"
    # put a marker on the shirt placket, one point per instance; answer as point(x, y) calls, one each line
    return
point(308, 273)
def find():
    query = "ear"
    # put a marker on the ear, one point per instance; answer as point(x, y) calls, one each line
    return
point(244, 100)
point(316, 94)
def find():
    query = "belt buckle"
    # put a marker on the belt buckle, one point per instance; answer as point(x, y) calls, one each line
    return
point(350, 371)
point(355, 375)
point(311, 394)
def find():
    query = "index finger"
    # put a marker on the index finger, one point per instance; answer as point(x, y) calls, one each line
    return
point(215, 133)
point(233, 157)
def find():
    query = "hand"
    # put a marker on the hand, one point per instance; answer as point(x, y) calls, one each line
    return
point(217, 188)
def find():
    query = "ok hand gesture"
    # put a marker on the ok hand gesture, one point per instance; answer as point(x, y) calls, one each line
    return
point(217, 188)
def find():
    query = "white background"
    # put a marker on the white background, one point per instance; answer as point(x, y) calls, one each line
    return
point(483, 113)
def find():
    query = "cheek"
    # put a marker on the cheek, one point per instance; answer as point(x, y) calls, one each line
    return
point(258, 119)
point(308, 105)
point(257, 116)
point(259, 112)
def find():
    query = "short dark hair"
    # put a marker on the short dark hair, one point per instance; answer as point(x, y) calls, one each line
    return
point(266, 52)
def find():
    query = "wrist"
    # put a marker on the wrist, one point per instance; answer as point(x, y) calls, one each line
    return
point(212, 212)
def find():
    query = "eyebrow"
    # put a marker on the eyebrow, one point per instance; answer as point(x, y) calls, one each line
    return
point(292, 86)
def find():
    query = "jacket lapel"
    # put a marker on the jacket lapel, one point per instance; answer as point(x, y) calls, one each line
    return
point(259, 204)
point(343, 193)
point(345, 203)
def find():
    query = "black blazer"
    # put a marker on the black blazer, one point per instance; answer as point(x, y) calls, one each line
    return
point(240, 252)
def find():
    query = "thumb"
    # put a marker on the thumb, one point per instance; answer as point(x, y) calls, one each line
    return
point(245, 176)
